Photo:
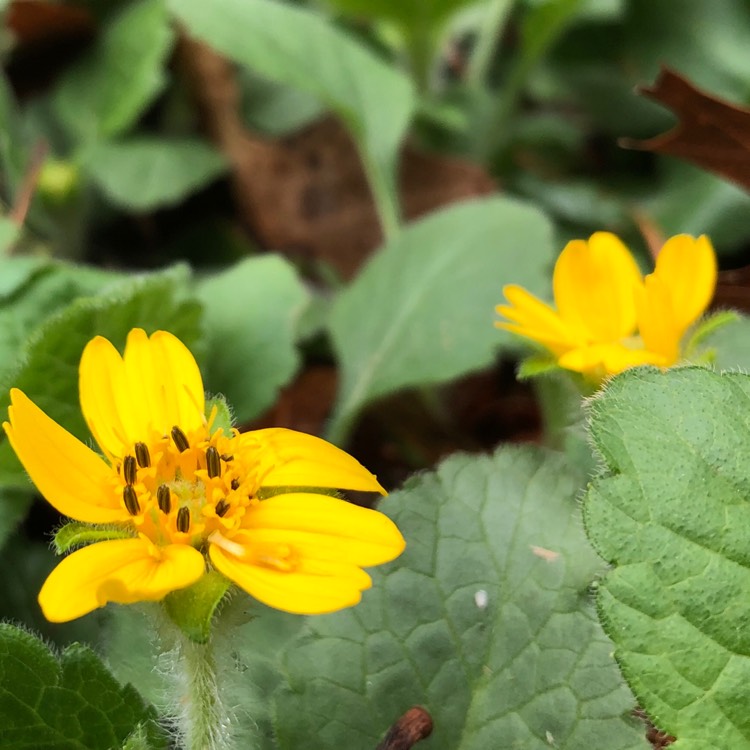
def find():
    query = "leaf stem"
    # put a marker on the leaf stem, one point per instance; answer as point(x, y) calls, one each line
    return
point(541, 29)
point(486, 43)
point(203, 721)
point(384, 188)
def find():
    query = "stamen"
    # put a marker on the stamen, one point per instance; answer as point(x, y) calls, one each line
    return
point(221, 508)
point(129, 469)
point(131, 500)
point(213, 462)
point(227, 457)
point(180, 439)
point(183, 520)
point(164, 498)
point(235, 484)
point(227, 544)
point(142, 455)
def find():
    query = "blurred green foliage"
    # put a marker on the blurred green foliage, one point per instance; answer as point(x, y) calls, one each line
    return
point(134, 193)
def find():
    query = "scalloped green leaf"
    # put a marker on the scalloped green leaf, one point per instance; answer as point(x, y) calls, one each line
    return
point(48, 372)
point(422, 310)
point(32, 290)
point(486, 621)
point(17, 272)
point(250, 315)
point(104, 93)
point(147, 173)
point(671, 514)
point(66, 702)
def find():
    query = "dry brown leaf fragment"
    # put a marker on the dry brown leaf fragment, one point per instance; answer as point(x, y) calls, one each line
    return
point(711, 133)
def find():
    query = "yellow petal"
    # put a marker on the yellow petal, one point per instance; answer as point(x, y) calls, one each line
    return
point(601, 360)
point(656, 319)
point(72, 478)
point(106, 405)
point(594, 286)
point(314, 587)
point(687, 267)
point(537, 321)
point(153, 387)
point(296, 459)
point(122, 570)
point(177, 380)
point(325, 528)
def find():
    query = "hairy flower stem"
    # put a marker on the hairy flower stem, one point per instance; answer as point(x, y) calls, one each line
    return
point(203, 722)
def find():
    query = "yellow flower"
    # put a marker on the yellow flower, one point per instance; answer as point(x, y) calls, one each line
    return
point(608, 317)
point(188, 497)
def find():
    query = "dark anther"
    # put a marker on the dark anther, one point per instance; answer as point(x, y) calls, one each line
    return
point(235, 484)
point(222, 507)
point(179, 439)
point(129, 469)
point(142, 455)
point(131, 500)
point(183, 520)
point(227, 457)
point(164, 498)
point(213, 462)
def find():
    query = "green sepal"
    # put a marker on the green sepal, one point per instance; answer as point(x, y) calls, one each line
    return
point(265, 492)
point(223, 418)
point(537, 364)
point(76, 534)
point(705, 328)
point(192, 608)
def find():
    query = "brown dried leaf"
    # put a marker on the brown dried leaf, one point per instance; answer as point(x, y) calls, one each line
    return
point(711, 133)
point(307, 195)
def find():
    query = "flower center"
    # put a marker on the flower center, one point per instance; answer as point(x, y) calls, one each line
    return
point(180, 489)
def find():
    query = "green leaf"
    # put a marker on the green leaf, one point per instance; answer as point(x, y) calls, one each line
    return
point(104, 93)
point(275, 109)
point(422, 310)
point(730, 344)
point(31, 290)
point(671, 514)
point(705, 329)
point(15, 272)
point(410, 14)
point(13, 506)
point(536, 365)
point(13, 147)
point(485, 620)
point(250, 316)
point(147, 173)
point(300, 48)
point(70, 702)
point(48, 373)
point(10, 231)
point(24, 565)
point(696, 202)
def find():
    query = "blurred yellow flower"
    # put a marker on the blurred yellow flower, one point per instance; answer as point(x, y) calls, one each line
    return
point(187, 497)
point(607, 316)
